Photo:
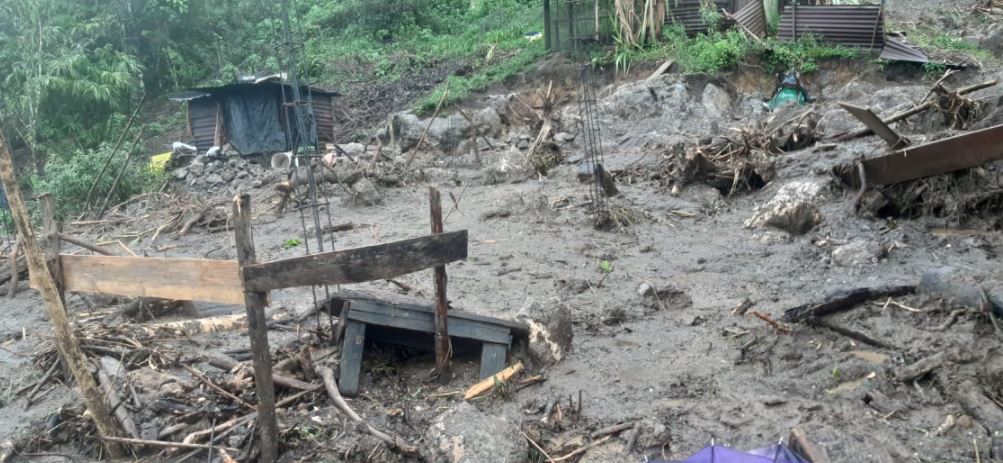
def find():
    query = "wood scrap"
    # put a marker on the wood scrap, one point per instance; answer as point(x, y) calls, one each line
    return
point(855, 335)
point(800, 443)
point(108, 374)
point(157, 443)
point(632, 440)
point(612, 430)
point(12, 262)
point(843, 300)
point(583, 449)
point(661, 70)
point(85, 245)
point(770, 321)
point(202, 325)
point(920, 368)
point(227, 363)
point(489, 383)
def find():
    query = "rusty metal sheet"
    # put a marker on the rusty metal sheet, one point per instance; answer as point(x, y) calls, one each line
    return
point(753, 18)
point(896, 50)
point(687, 13)
point(878, 126)
point(963, 151)
point(849, 25)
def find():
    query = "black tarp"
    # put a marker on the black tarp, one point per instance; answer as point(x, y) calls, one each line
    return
point(252, 120)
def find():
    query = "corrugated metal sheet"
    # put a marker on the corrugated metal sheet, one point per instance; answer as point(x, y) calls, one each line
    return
point(752, 17)
point(895, 50)
point(687, 13)
point(849, 25)
point(202, 116)
point(323, 113)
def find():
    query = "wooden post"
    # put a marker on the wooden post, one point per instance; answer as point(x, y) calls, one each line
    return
point(42, 277)
point(51, 243)
point(547, 25)
point(442, 349)
point(258, 331)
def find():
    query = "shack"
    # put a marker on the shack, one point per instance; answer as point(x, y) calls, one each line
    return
point(255, 117)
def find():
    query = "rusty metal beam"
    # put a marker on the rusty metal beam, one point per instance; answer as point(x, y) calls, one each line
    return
point(873, 122)
point(963, 151)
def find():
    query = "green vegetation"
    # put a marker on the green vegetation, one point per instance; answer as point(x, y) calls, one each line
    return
point(803, 54)
point(291, 243)
point(940, 41)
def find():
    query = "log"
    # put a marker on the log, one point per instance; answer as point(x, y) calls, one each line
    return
point(632, 440)
point(42, 277)
point(661, 70)
point(843, 300)
point(85, 245)
point(258, 333)
point(615, 429)
point(160, 443)
point(800, 443)
point(203, 325)
point(109, 370)
point(358, 265)
point(489, 383)
point(227, 363)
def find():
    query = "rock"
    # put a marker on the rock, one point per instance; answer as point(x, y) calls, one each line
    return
point(645, 289)
point(994, 42)
point(564, 137)
point(353, 149)
point(858, 252)
point(214, 180)
point(448, 132)
point(792, 209)
point(523, 145)
point(181, 173)
point(716, 102)
point(465, 434)
point(550, 332)
point(364, 193)
point(488, 122)
point(196, 168)
point(962, 287)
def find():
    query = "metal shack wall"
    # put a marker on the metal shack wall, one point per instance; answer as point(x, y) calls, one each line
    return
point(849, 25)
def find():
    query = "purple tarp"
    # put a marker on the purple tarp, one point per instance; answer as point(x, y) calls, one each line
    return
point(719, 454)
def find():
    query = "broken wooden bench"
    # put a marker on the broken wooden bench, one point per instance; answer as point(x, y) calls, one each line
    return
point(396, 319)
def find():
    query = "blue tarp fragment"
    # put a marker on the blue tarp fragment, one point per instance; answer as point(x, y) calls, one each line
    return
point(720, 454)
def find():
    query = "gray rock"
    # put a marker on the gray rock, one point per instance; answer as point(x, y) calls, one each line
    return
point(716, 102)
point(792, 209)
point(196, 168)
point(550, 334)
point(564, 137)
point(858, 252)
point(523, 144)
point(645, 289)
point(488, 122)
point(214, 180)
point(962, 287)
point(364, 193)
point(181, 173)
point(994, 42)
point(465, 434)
point(353, 149)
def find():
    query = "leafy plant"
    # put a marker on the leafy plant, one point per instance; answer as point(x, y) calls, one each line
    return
point(803, 54)
point(605, 266)
point(291, 243)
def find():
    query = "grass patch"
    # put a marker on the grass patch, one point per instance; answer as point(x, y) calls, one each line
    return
point(940, 41)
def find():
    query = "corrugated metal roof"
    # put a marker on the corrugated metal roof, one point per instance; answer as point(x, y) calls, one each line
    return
point(753, 18)
point(896, 50)
point(201, 92)
point(687, 13)
point(849, 25)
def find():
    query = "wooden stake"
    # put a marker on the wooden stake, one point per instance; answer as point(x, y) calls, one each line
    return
point(442, 348)
point(42, 276)
point(12, 263)
point(258, 331)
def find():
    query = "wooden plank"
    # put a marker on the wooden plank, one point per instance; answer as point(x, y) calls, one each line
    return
point(258, 333)
point(351, 357)
point(661, 70)
point(425, 322)
point(492, 358)
point(971, 149)
point(378, 262)
point(878, 126)
point(180, 279)
point(489, 383)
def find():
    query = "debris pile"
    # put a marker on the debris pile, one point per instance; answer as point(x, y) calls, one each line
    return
point(220, 174)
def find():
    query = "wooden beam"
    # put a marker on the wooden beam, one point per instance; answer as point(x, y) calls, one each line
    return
point(970, 149)
point(370, 263)
point(258, 332)
point(66, 341)
point(180, 279)
point(442, 348)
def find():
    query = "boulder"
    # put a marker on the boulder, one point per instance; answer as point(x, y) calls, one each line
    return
point(550, 332)
point(354, 149)
point(716, 102)
point(994, 42)
point(465, 434)
point(196, 168)
point(181, 173)
point(858, 252)
point(792, 209)
point(447, 132)
point(364, 193)
point(564, 137)
point(488, 122)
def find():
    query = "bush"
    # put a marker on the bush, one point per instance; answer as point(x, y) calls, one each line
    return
point(68, 178)
point(803, 54)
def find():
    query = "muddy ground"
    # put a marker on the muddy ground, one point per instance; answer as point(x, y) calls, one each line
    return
point(683, 364)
